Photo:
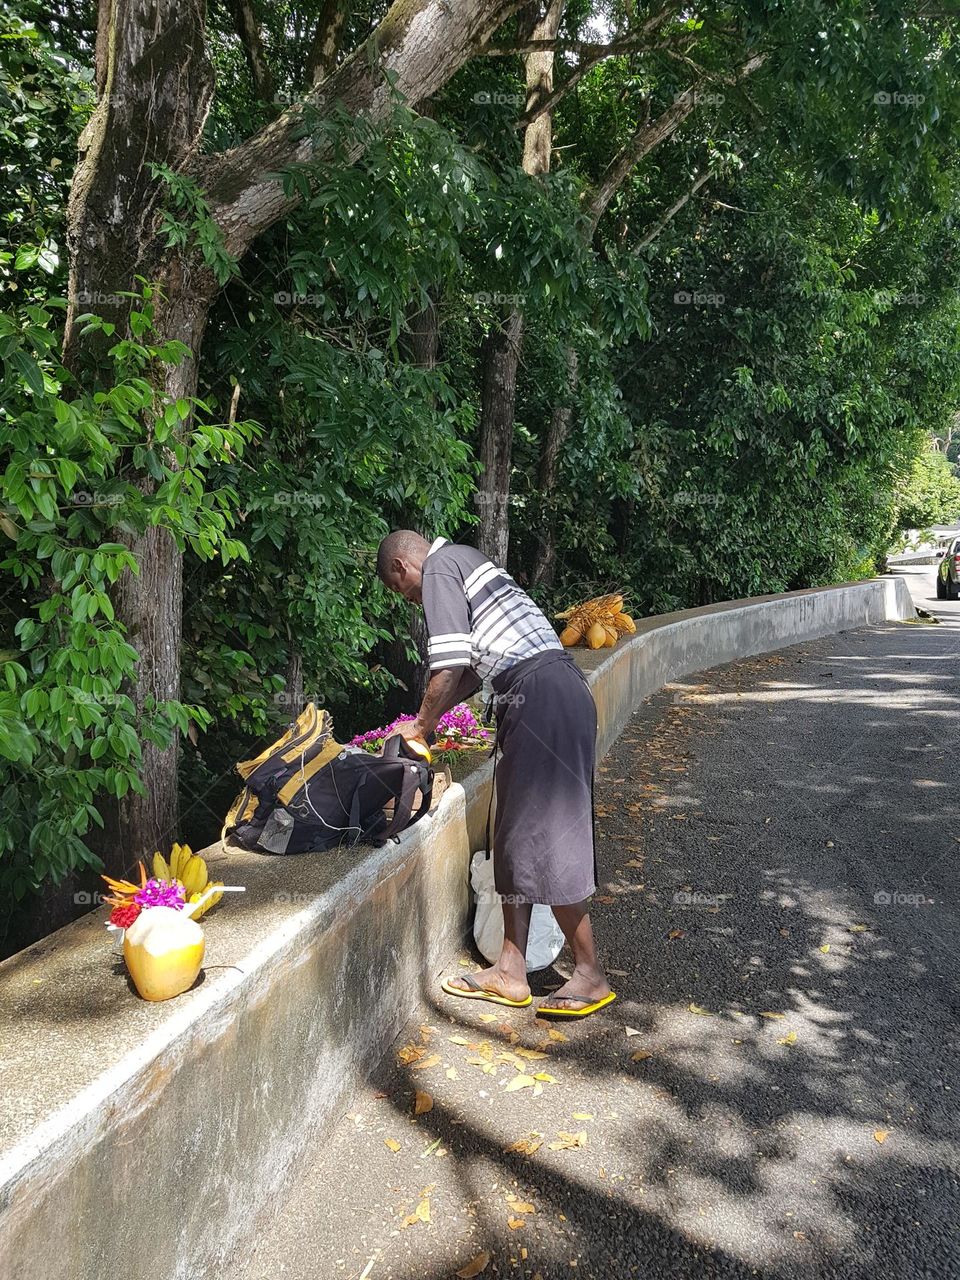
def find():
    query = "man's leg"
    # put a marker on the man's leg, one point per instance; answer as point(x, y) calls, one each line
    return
point(508, 977)
point(588, 982)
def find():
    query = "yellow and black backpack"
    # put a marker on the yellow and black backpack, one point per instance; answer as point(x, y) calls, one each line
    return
point(307, 792)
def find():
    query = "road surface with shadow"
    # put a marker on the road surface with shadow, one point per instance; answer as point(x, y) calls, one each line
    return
point(774, 1094)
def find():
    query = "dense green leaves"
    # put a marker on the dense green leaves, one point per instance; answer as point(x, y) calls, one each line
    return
point(765, 328)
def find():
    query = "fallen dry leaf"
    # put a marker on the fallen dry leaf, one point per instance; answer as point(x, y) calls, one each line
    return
point(546, 1077)
point(558, 1035)
point(459, 1040)
point(784, 933)
point(475, 1268)
point(532, 1055)
point(420, 1214)
point(604, 898)
point(789, 1038)
point(772, 1015)
point(675, 933)
point(567, 1141)
point(857, 928)
point(392, 1143)
point(881, 1135)
point(425, 1063)
point(516, 1223)
point(582, 1115)
point(825, 948)
point(410, 1053)
point(702, 1013)
point(488, 1017)
point(422, 1103)
point(451, 1073)
point(641, 1055)
point(519, 1081)
point(521, 1206)
point(526, 1146)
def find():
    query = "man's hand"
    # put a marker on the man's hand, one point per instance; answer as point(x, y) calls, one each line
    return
point(412, 731)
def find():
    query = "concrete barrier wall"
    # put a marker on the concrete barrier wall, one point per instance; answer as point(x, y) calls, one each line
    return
point(151, 1136)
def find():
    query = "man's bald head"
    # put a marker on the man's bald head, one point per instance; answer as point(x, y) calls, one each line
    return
point(400, 558)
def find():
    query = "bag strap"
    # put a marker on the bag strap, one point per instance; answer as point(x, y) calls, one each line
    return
point(493, 783)
point(415, 778)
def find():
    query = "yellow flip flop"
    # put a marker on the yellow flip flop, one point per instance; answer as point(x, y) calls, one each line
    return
point(547, 1012)
point(480, 993)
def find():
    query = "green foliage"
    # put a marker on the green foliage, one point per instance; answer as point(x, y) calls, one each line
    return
point(69, 506)
point(931, 494)
point(758, 367)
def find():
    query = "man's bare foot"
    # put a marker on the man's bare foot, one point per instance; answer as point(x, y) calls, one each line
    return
point(496, 981)
point(585, 986)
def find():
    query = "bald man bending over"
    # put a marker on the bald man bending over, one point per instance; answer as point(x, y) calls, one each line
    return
point(481, 625)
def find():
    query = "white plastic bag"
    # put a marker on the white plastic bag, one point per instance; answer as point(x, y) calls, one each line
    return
point(545, 940)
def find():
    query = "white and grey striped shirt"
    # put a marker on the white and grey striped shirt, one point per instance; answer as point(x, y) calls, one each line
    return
point(476, 615)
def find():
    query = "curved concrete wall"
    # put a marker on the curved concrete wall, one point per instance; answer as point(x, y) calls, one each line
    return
point(159, 1132)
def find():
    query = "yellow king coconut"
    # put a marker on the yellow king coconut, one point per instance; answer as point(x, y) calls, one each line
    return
point(163, 949)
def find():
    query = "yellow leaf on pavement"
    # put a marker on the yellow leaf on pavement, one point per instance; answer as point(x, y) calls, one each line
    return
point(556, 1035)
point(392, 1143)
point(546, 1077)
point(410, 1053)
point(422, 1211)
point(520, 1081)
point(422, 1103)
point(641, 1055)
point(531, 1054)
point(825, 948)
point(425, 1063)
point(451, 1073)
point(881, 1135)
point(789, 1038)
point(488, 1017)
point(582, 1115)
point(521, 1206)
point(702, 1013)
point(772, 1015)
point(458, 1040)
point(516, 1223)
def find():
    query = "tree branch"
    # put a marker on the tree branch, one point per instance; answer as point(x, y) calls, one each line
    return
point(584, 48)
point(415, 50)
point(649, 136)
point(247, 26)
point(674, 209)
point(327, 40)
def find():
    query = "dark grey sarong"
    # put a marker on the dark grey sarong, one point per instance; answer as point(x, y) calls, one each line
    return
point(543, 845)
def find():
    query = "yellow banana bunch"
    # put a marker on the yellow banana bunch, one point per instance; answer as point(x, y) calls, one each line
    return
point(597, 622)
point(188, 869)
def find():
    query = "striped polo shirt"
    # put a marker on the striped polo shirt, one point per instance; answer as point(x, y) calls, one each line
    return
point(476, 615)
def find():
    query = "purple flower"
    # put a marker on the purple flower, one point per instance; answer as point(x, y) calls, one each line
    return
point(158, 893)
point(459, 724)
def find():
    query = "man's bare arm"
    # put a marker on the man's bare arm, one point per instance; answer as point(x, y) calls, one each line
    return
point(446, 688)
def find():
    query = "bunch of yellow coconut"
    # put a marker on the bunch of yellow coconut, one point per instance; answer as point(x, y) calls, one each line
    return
point(597, 623)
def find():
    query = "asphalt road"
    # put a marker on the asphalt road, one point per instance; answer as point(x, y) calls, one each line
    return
point(774, 1094)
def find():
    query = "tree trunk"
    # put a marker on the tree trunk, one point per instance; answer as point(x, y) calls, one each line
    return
point(293, 684)
point(156, 85)
point(545, 560)
point(500, 353)
point(499, 358)
point(420, 343)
